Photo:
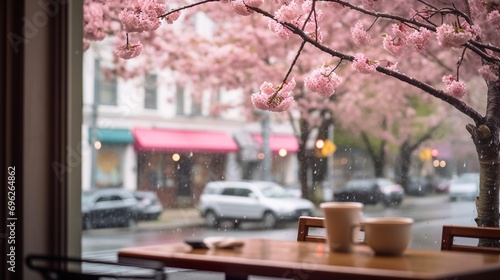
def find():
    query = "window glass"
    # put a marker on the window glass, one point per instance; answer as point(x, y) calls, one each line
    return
point(150, 91)
point(105, 89)
point(179, 100)
point(174, 134)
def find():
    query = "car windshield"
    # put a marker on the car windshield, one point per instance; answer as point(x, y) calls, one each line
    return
point(272, 191)
point(86, 198)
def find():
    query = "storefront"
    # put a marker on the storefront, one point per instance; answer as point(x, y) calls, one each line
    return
point(176, 164)
point(114, 159)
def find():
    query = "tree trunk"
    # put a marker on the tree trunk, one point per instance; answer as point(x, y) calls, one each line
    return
point(303, 158)
point(487, 203)
point(377, 155)
point(403, 164)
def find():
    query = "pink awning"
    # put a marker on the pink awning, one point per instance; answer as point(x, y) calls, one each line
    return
point(183, 141)
point(280, 141)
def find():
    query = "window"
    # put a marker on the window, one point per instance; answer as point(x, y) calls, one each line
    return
point(105, 86)
point(196, 107)
point(150, 91)
point(179, 100)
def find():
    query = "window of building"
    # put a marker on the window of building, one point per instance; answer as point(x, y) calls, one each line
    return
point(196, 107)
point(179, 100)
point(105, 86)
point(150, 91)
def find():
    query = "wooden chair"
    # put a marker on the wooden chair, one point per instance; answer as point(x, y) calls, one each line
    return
point(305, 223)
point(449, 232)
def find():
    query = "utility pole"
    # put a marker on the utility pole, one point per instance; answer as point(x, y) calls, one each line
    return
point(93, 139)
point(266, 161)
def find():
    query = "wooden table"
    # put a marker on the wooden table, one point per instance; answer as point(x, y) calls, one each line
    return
point(307, 260)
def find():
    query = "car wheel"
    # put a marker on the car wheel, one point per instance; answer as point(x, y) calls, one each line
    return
point(211, 220)
point(132, 222)
point(236, 225)
point(87, 224)
point(269, 220)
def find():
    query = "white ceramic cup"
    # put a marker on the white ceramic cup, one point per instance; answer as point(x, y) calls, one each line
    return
point(340, 221)
point(386, 236)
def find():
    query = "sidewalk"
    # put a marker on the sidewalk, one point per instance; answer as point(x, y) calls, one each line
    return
point(173, 218)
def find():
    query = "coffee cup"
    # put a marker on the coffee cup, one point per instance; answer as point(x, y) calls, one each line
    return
point(386, 236)
point(340, 223)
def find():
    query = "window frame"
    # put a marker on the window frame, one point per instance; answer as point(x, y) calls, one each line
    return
point(42, 80)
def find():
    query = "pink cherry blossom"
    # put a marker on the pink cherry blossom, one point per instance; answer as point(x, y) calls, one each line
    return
point(288, 12)
point(254, 3)
point(400, 30)
point(363, 65)
point(128, 51)
point(143, 16)
point(420, 39)
point(453, 87)
point(240, 8)
point(280, 30)
point(487, 73)
point(93, 21)
point(172, 17)
point(475, 30)
point(494, 18)
point(395, 46)
point(281, 102)
point(451, 37)
point(323, 81)
point(359, 35)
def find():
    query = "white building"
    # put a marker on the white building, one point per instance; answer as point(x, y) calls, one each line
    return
point(154, 136)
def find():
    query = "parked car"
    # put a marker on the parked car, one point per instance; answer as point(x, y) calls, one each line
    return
point(442, 185)
point(149, 206)
point(240, 201)
point(419, 186)
point(371, 191)
point(108, 208)
point(464, 186)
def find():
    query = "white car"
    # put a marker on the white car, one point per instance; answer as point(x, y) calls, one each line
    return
point(466, 186)
point(240, 201)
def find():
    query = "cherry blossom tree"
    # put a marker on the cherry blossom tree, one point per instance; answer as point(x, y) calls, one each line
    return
point(384, 46)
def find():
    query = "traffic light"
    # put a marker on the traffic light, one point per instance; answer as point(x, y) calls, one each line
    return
point(324, 148)
point(434, 153)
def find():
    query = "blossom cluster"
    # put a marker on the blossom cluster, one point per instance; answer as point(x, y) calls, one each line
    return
point(363, 64)
point(141, 16)
point(453, 87)
point(323, 81)
point(276, 99)
point(359, 34)
point(93, 27)
point(241, 7)
point(297, 15)
point(451, 37)
point(129, 51)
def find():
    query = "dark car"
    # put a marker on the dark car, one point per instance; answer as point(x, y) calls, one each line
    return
point(109, 208)
point(149, 207)
point(419, 186)
point(371, 191)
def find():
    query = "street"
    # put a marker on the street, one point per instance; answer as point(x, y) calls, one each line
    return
point(429, 213)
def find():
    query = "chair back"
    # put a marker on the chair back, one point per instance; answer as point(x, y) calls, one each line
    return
point(450, 231)
point(305, 223)
point(65, 268)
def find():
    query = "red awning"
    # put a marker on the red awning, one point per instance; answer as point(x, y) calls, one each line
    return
point(183, 141)
point(278, 142)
